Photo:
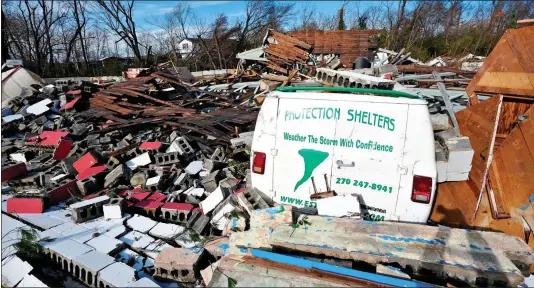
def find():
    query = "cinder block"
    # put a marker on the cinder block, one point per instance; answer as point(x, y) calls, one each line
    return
point(442, 171)
point(194, 167)
point(179, 264)
point(210, 165)
point(87, 186)
point(181, 146)
point(439, 121)
point(211, 182)
point(176, 212)
point(250, 200)
point(167, 158)
point(114, 209)
point(228, 186)
point(218, 154)
point(120, 172)
point(183, 181)
point(113, 162)
point(198, 222)
point(451, 176)
point(460, 155)
point(88, 209)
point(153, 184)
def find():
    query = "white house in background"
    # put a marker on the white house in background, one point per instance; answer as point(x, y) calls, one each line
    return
point(187, 45)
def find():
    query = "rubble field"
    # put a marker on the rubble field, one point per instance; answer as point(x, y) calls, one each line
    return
point(146, 183)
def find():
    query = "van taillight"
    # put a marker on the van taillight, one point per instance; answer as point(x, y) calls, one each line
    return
point(258, 164)
point(422, 189)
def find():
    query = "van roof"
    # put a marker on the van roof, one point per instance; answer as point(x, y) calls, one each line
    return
point(346, 97)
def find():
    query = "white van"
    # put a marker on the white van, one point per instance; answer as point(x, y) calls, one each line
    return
point(380, 147)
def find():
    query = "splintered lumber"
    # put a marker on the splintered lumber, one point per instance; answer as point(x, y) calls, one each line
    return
point(176, 81)
point(458, 253)
point(273, 77)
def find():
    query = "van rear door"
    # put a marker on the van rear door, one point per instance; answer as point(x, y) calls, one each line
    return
point(304, 149)
point(368, 159)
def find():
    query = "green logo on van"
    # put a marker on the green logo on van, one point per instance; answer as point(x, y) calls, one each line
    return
point(312, 159)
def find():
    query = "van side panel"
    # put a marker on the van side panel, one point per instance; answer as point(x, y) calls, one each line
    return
point(264, 141)
point(419, 159)
point(370, 151)
point(305, 147)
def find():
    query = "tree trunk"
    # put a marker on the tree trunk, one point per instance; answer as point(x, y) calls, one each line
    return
point(207, 52)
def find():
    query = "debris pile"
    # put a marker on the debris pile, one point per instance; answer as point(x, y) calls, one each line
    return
point(79, 160)
point(146, 182)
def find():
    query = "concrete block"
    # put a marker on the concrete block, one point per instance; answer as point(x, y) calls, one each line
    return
point(89, 264)
point(144, 283)
point(87, 161)
point(141, 223)
point(173, 136)
point(154, 184)
point(137, 240)
point(207, 274)
point(194, 167)
point(465, 255)
point(211, 182)
point(149, 208)
point(451, 176)
point(114, 209)
point(166, 158)
point(240, 142)
point(181, 146)
point(210, 165)
point(218, 154)
point(88, 209)
point(118, 173)
point(250, 200)
point(442, 171)
point(228, 185)
point(106, 244)
point(183, 181)
point(155, 248)
point(198, 222)
point(166, 231)
point(178, 264)
point(139, 161)
point(14, 270)
point(113, 162)
point(460, 154)
point(212, 200)
point(31, 281)
point(116, 275)
point(176, 212)
point(439, 122)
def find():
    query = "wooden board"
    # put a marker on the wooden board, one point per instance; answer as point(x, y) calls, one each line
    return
point(477, 123)
point(509, 69)
point(512, 179)
point(510, 110)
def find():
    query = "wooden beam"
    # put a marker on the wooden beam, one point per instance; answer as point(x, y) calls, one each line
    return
point(525, 21)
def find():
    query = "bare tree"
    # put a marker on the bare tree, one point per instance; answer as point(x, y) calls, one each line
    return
point(118, 16)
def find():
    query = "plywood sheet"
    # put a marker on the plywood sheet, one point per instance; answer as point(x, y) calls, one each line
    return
point(477, 123)
point(509, 69)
